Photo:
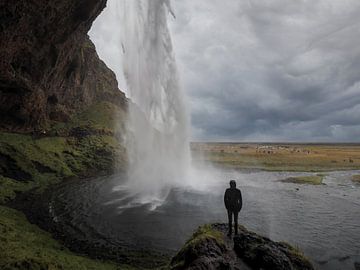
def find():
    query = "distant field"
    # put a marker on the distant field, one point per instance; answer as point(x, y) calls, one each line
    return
point(280, 157)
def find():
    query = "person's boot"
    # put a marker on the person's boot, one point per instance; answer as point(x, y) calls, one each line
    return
point(230, 231)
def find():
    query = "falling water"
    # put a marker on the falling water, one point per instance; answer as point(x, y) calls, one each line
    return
point(158, 124)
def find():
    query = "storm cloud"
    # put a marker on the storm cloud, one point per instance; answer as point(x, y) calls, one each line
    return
point(262, 70)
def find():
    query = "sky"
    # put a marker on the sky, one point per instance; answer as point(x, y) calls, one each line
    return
point(261, 70)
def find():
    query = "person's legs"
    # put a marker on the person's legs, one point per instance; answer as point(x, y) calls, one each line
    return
point(230, 222)
point(236, 215)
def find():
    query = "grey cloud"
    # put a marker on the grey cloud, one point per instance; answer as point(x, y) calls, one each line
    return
point(262, 70)
point(270, 70)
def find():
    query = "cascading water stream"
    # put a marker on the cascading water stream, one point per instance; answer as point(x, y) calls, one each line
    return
point(157, 138)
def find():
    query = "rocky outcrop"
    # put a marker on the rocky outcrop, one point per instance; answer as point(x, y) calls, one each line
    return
point(262, 253)
point(49, 68)
point(209, 248)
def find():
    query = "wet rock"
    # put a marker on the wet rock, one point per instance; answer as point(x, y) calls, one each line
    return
point(49, 68)
point(262, 253)
point(209, 248)
point(204, 250)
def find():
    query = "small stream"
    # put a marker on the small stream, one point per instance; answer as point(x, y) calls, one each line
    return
point(323, 221)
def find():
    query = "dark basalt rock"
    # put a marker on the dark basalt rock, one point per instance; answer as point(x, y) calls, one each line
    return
point(262, 253)
point(210, 248)
point(49, 68)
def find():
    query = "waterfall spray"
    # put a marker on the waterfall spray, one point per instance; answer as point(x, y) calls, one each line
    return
point(157, 136)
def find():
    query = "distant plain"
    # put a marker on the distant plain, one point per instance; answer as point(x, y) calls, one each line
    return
point(280, 156)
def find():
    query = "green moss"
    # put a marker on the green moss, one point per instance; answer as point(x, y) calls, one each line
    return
point(49, 160)
point(30, 163)
point(295, 251)
point(102, 117)
point(9, 188)
point(297, 257)
point(202, 235)
point(25, 246)
point(310, 180)
point(207, 231)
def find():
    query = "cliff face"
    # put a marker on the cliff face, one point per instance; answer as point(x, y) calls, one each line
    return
point(49, 68)
point(53, 84)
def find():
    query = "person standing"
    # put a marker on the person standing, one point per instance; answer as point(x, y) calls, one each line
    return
point(233, 204)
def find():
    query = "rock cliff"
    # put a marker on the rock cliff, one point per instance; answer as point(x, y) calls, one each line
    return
point(49, 68)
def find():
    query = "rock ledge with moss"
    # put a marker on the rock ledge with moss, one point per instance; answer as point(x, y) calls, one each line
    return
point(210, 248)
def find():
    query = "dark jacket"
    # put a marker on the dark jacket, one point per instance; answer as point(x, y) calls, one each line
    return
point(233, 199)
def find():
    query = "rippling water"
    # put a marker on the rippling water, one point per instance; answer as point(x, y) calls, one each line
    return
point(324, 221)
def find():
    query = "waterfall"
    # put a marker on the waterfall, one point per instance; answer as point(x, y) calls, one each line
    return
point(157, 138)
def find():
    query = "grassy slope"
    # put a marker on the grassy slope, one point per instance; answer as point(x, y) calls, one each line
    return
point(312, 158)
point(25, 246)
point(45, 161)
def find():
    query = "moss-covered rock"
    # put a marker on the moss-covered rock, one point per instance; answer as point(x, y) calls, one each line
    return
point(262, 253)
point(33, 162)
point(205, 247)
point(210, 248)
point(38, 163)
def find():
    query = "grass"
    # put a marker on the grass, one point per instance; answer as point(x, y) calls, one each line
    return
point(356, 178)
point(310, 179)
point(294, 253)
point(45, 161)
point(32, 163)
point(202, 235)
point(25, 246)
point(100, 118)
point(205, 232)
point(280, 157)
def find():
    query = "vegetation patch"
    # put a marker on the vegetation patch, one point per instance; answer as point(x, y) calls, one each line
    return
point(100, 118)
point(310, 180)
point(356, 178)
point(33, 162)
point(25, 246)
point(206, 240)
point(205, 232)
point(262, 253)
point(294, 253)
point(280, 157)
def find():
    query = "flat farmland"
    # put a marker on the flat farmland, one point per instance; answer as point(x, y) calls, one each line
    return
point(280, 156)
